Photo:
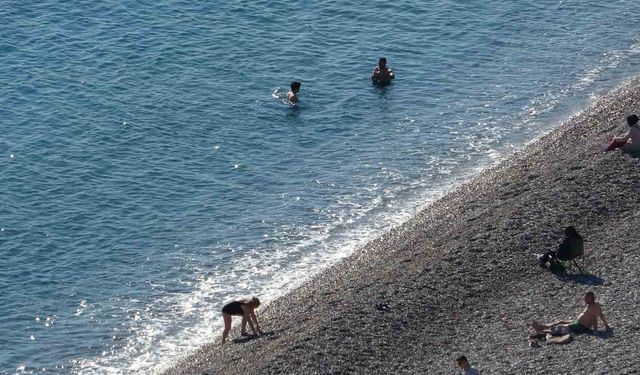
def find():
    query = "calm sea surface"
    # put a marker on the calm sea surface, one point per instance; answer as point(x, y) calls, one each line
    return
point(147, 176)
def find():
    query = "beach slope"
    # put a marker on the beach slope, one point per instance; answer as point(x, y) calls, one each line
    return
point(461, 277)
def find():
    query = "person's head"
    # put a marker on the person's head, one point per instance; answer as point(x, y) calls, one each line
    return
point(632, 120)
point(589, 298)
point(254, 302)
point(382, 62)
point(462, 362)
point(295, 86)
point(570, 231)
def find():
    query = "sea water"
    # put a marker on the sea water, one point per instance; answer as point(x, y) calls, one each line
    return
point(148, 176)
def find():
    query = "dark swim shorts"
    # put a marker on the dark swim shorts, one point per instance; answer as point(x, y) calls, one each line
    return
point(577, 327)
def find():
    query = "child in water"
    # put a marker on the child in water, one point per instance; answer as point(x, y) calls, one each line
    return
point(292, 96)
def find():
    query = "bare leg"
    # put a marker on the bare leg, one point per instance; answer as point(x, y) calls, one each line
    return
point(243, 326)
point(545, 327)
point(558, 323)
point(560, 329)
point(227, 326)
point(537, 326)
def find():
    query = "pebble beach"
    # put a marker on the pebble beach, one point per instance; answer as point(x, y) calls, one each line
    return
point(461, 277)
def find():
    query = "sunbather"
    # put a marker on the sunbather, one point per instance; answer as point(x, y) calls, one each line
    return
point(587, 322)
point(629, 142)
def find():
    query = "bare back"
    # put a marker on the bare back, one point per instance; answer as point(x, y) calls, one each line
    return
point(589, 317)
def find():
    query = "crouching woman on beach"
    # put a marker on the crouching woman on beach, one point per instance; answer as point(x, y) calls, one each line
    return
point(242, 308)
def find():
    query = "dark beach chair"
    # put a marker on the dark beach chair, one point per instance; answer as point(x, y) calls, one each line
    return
point(571, 256)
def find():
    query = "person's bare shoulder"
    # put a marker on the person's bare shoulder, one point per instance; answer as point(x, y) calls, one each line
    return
point(292, 97)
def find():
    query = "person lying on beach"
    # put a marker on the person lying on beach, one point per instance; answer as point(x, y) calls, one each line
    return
point(629, 142)
point(242, 308)
point(466, 368)
point(571, 247)
point(382, 74)
point(587, 322)
point(292, 96)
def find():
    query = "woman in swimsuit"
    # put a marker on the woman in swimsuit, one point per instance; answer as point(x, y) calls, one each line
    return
point(242, 308)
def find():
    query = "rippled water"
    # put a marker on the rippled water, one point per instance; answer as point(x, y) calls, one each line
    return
point(148, 176)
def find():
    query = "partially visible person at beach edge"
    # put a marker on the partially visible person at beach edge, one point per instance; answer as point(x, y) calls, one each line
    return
point(382, 74)
point(242, 308)
point(587, 321)
point(292, 96)
point(466, 368)
point(629, 142)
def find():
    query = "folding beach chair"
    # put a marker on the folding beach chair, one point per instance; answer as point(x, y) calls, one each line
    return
point(572, 259)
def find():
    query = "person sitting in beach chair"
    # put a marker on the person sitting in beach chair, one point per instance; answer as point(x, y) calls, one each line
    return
point(629, 142)
point(571, 248)
point(242, 308)
point(587, 321)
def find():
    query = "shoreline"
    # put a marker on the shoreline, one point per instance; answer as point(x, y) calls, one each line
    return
point(460, 277)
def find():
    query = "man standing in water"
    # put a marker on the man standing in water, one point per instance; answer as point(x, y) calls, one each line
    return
point(382, 74)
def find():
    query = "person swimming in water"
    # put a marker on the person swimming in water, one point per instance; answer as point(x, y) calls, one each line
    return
point(242, 308)
point(292, 96)
point(587, 321)
point(629, 142)
point(382, 74)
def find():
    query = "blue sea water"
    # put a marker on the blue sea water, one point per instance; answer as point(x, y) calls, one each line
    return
point(147, 176)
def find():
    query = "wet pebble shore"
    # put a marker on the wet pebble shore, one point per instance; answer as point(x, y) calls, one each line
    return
point(461, 277)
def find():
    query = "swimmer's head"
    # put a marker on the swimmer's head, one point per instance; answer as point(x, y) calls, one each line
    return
point(632, 120)
point(589, 298)
point(254, 302)
point(295, 86)
point(382, 62)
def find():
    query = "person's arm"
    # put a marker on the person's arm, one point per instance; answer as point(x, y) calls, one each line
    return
point(255, 320)
point(604, 320)
point(623, 138)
